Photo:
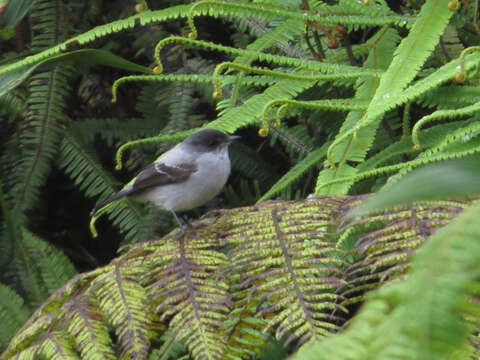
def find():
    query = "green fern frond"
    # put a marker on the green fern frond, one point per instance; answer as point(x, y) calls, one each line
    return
point(428, 138)
point(250, 111)
point(451, 96)
point(54, 268)
point(442, 114)
point(407, 60)
point(41, 134)
point(101, 31)
point(311, 160)
point(354, 148)
point(249, 163)
point(123, 300)
point(296, 299)
point(461, 142)
point(87, 329)
point(265, 57)
point(190, 294)
point(80, 163)
point(436, 291)
point(38, 268)
point(181, 104)
point(245, 336)
point(384, 244)
point(244, 271)
point(13, 314)
point(40, 131)
point(329, 17)
point(114, 130)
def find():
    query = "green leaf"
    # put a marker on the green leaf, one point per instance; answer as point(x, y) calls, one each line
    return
point(450, 179)
point(16, 11)
point(13, 314)
point(11, 79)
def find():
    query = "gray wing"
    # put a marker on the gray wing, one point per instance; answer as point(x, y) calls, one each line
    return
point(157, 174)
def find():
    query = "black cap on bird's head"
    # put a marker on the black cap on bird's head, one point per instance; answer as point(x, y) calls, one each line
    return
point(209, 140)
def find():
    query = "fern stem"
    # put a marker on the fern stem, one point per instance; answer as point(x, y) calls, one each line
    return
point(151, 140)
point(439, 115)
point(158, 78)
point(393, 168)
point(215, 8)
point(313, 77)
point(330, 104)
point(463, 57)
point(269, 58)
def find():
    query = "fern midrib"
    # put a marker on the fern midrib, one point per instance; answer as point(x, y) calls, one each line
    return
point(34, 286)
point(129, 316)
point(78, 306)
point(39, 153)
point(191, 293)
point(276, 219)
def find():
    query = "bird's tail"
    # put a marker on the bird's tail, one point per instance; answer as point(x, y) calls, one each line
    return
point(98, 210)
point(113, 198)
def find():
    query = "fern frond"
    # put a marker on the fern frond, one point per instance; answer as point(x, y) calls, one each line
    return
point(142, 19)
point(40, 135)
point(37, 268)
point(328, 17)
point(443, 275)
point(80, 163)
point(54, 268)
point(311, 160)
point(87, 329)
point(264, 57)
point(297, 300)
point(451, 96)
point(429, 137)
point(243, 271)
point(461, 142)
point(384, 244)
point(123, 302)
point(250, 111)
point(354, 148)
point(248, 163)
point(407, 60)
point(190, 294)
point(13, 314)
point(41, 132)
point(113, 130)
point(442, 114)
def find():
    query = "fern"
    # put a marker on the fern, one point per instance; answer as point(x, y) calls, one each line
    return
point(435, 291)
point(13, 314)
point(41, 132)
point(81, 164)
point(355, 148)
point(296, 172)
point(224, 285)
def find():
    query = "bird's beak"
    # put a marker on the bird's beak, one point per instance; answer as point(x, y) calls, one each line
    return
point(234, 137)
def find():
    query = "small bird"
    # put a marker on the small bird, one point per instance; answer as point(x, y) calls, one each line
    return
point(183, 178)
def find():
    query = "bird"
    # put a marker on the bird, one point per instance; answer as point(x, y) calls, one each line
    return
point(183, 178)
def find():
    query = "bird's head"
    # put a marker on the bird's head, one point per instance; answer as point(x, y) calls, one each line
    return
point(209, 140)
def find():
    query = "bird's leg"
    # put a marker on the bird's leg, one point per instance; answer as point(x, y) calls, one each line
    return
point(183, 224)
